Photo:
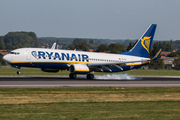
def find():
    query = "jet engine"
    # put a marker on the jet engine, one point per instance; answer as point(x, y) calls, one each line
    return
point(79, 69)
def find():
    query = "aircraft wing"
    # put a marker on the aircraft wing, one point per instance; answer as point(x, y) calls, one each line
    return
point(124, 63)
point(119, 63)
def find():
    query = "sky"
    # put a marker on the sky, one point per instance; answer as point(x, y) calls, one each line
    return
point(101, 19)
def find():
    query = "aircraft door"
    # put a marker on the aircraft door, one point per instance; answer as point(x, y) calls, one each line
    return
point(28, 55)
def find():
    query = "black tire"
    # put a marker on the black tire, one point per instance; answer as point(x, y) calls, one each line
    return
point(90, 76)
point(87, 76)
point(72, 76)
point(18, 72)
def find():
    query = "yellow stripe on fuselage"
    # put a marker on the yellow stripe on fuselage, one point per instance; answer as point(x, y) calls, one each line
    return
point(51, 62)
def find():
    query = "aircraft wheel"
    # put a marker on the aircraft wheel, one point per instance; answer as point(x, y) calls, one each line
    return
point(18, 72)
point(90, 76)
point(72, 76)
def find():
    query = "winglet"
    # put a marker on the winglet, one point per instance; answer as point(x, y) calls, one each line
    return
point(54, 46)
point(157, 54)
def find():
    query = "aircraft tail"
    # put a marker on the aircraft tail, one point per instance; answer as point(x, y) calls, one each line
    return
point(143, 46)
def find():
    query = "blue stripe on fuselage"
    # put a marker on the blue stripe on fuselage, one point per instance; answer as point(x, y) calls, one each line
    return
point(43, 65)
point(64, 66)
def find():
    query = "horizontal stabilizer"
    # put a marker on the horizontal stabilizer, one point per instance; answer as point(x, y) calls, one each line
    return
point(157, 54)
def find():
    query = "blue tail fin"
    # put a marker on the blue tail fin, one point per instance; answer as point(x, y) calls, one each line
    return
point(143, 46)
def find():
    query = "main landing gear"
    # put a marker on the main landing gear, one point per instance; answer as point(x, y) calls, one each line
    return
point(74, 76)
point(90, 76)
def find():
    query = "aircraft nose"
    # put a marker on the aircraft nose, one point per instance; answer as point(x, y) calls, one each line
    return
point(6, 58)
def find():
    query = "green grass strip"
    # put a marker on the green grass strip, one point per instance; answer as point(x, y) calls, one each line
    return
point(90, 103)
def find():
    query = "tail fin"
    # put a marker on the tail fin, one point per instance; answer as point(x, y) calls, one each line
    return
point(143, 46)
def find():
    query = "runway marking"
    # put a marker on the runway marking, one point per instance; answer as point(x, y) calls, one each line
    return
point(95, 85)
point(66, 82)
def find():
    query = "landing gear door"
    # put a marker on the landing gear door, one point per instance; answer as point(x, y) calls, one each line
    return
point(28, 55)
point(132, 64)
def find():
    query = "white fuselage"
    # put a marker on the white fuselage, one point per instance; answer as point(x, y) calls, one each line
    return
point(59, 59)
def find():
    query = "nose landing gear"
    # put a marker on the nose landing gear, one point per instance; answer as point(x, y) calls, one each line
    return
point(15, 66)
point(19, 72)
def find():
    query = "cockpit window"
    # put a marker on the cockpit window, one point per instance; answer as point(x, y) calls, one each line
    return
point(15, 53)
point(11, 52)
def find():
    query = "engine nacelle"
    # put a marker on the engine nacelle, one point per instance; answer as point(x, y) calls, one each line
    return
point(79, 69)
point(49, 70)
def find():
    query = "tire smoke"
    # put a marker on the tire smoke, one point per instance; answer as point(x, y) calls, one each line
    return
point(116, 77)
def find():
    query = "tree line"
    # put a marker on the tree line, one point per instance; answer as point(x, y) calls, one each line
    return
point(82, 44)
point(14, 40)
point(119, 48)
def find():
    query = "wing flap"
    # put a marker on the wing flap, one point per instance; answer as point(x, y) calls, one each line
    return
point(117, 63)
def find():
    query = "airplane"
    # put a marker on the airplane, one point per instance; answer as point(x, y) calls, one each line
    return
point(80, 62)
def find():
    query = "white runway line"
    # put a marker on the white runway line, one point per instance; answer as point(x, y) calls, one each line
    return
point(97, 85)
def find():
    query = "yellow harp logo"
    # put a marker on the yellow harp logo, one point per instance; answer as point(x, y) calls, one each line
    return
point(145, 42)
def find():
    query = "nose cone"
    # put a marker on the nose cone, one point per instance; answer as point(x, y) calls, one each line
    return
point(6, 58)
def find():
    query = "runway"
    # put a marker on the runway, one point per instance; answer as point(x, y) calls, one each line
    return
point(82, 82)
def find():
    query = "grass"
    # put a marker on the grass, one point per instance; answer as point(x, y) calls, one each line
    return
point(92, 111)
point(9, 71)
point(90, 103)
point(87, 94)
